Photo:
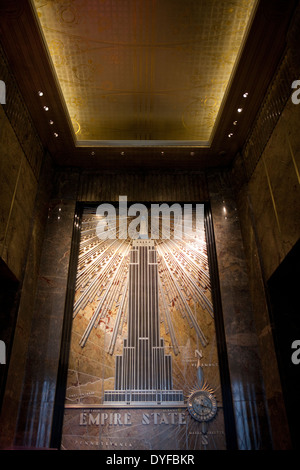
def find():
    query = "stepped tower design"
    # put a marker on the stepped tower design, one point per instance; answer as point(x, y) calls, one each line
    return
point(144, 372)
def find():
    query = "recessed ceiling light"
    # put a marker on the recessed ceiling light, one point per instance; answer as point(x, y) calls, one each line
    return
point(245, 95)
point(92, 153)
point(235, 123)
point(162, 153)
point(51, 122)
point(46, 108)
point(40, 93)
point(122, 153)
point(55, 134)
point(192, 154)
point(240, 110)
point(230, 135)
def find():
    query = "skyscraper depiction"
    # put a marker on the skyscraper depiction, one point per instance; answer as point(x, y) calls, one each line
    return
point(144, 372)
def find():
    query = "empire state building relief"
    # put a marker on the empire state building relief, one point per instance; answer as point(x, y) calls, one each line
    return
point(143, 333)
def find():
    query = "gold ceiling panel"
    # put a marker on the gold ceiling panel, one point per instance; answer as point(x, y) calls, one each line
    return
point(144, 72)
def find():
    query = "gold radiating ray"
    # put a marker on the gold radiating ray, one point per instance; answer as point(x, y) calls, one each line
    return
point(102, 278)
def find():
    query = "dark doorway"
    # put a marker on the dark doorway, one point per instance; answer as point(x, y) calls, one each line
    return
point(8, 312)
point(284, 286)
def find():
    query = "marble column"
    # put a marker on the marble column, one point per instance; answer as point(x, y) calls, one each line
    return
point(38, 399)
point(247, 389)
point(24, 304)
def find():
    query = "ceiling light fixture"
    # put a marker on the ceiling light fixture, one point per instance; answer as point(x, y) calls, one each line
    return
point(245, 95)
point(192, 154)
point(51, 122)
point(46, 108)
point(235, 123)
point(40, 93)
point(122, 153)
point(239, 110)
point(55, 134)
point(230, 135)
point(92, 153)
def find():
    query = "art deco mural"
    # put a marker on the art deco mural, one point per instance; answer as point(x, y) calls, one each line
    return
point(143, 367)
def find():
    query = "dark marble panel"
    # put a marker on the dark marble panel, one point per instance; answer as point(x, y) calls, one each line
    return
point(36, 418)
point(57, 242)
point(20, 119)
point(276, 411)
point(36, 410)
point(22, 335)
point(252, 427)
point(143, 187)
point(268, 206)
point(65, 185)
point(20, 221)
point(10, 163)
point(241, 340)
point(275, 191)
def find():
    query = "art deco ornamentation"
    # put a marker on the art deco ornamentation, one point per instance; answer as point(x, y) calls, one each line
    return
point(201, 403)
point(142, 319)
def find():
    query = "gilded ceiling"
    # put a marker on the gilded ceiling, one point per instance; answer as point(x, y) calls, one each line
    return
point(144, 72)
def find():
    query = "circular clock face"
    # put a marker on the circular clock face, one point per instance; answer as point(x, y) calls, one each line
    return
point(202, 405)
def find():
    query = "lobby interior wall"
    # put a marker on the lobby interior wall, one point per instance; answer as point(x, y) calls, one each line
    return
point(265, 176)
point(25, 185)
point(37, 404)
point(260, 198)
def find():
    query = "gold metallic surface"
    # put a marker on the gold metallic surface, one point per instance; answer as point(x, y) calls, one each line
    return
point(144, 71)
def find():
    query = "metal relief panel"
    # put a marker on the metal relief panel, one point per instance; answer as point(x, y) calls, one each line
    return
point(143, 369)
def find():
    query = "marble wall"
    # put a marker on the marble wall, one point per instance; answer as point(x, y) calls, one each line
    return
point(25, 313)
point(18, 187)
point(268, 202)
point(274, 191)
point(241, 341)
point(254, 228)
point(25, 178)
point(43, 357)
point(21, 159)
point(36, 241)
point(41, 368)
point(265, 178)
